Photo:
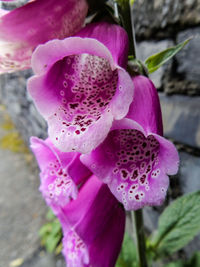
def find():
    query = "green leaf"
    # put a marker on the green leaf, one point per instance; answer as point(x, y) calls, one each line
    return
point(45, 229)
point(52, 242)
point(193, 262)
point(178, 224)
point(157, 60)
point(56, 227)
point(128, 254)
point(51, 233)
point(175, 264)
point(53, 238)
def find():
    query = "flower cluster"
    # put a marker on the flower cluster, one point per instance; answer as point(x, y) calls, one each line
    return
point(105, 152)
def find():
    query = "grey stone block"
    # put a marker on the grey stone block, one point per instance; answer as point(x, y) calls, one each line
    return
point(181, 118)
point(164, 17)
point(150, 217)
point(189, 173)
point(12, 5)
point(20, 106)
point(22, 207)
point(42, 259)
point(176, 85)
point(189, 58)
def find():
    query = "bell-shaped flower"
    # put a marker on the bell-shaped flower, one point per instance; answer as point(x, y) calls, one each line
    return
point(92, 219)
point(80, 86)
point(61, 173)
point(134, 160)
point(37, 22)
point(93, 227)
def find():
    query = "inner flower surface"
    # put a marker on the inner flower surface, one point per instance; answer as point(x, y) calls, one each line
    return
point(136, 163)
point(84, 85)
point(75, 250)
point(57, 186)
point(132, 166)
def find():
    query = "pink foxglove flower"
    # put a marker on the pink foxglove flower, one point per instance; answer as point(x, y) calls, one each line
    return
point(134, 160)
point(61, 173)
point(93, 227)
point(80, 86)
point(91, 218)
point(22, 29)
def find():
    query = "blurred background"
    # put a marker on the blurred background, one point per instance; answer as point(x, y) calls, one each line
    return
point(158, 25)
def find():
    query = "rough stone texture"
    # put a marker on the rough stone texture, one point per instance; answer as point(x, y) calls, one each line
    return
point(181, 117)
point(189, 173)
point(20, 106)
point(22, 207)
point(43, 259)
point(163, 18)
point(188, 59)
point(146, 49)
point(13, 4)
point(150, 216)
point(189, 180)
point(180, 86)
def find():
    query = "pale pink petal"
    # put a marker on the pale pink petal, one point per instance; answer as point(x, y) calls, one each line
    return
point(22, 29)
point(75, 250)
point(58, 184)
point(3, 12)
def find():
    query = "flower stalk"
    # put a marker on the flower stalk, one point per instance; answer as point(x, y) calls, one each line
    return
point(138, 228)
point(137, 216)
point(125, 16)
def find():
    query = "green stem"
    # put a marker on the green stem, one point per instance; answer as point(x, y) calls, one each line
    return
point(137, 219)
point(125, 16)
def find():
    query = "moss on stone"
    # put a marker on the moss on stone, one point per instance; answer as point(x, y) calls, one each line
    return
point(10, 138)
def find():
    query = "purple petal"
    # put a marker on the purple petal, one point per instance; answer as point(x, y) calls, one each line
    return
point(168, 154)
point(98, 223)
point(77, 171)
point(22, 29)
point(80, 93)
point(118, 48)
point(58, 179)
point(145, 108)
point(133, 164)
point(46, 55)
point(45, 152)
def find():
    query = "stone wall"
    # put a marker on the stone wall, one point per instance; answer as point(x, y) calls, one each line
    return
point(19, 104)
point(158, 25)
